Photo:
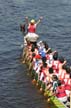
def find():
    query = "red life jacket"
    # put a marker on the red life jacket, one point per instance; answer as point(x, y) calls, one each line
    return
point(67, 84)
point(47, 56)
point(60, 92)
point(32, 28)
point(61, 74)
point(55, 65)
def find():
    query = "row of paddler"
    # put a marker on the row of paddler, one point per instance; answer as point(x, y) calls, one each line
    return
point(48, 70)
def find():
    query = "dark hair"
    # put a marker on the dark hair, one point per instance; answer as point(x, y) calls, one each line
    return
point(54, 77)
point(55, 56)
point(51, 70)
point(69, 99)
point(50, 51)
point(33, 55)
point(70, 74)
point(59, 83)
point(33, 48)
point(44, 65)
point(64, 66)
point(44, 59)
point(61, 59)
point(67, 69)
point(46, 45)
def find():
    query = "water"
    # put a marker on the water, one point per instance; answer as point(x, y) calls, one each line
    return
point(16, 89)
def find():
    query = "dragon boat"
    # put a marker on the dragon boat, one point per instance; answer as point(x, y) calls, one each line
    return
point(53, 100)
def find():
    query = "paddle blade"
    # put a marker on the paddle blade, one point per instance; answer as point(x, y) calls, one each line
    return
point(22, 27)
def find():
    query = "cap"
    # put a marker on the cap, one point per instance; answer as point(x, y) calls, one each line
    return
point(33, 21)
point(38, 56)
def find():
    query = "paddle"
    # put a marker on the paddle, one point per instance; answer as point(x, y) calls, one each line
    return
point(22, 28)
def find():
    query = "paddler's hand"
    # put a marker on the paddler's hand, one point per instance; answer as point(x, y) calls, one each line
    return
point(26, 17)
point(27, 21)
point(41, 18)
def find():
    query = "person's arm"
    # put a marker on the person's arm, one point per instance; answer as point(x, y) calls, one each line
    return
point(39, 20)
point(48, 50)
point(64, 62)
point(27, 21)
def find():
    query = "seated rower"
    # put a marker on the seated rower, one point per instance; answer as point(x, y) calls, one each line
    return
point(62, 62)
point(55, 82)
point(60, 93)
point(62, 72)
point(67, 81)
point(55, 63)
point(49, 57)
point(31, 35)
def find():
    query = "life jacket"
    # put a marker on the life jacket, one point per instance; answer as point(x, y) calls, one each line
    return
point(61, 74)
point(32, 28)
point(60, 92)
point(55, 65)
point(67, 84)
point(49, 58)
point(66, 76)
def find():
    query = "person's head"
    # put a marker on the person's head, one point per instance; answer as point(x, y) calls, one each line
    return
point(59, 83)
point(64, 66)
point(45, 65)
point(50, 70)
point(70, 74)
point(61, 59)
point(54, 78)
point(55, 56)
point(41, 43)
point(33, 48)
point(33, 54)
point(45, 44)
point(44, 59)
point(50, 51)
point(68, 70)
point(32, 21)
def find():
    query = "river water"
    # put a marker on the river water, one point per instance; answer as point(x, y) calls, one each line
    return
point(16, 89)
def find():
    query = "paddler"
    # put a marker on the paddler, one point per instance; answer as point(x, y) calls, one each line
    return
point(60, 93)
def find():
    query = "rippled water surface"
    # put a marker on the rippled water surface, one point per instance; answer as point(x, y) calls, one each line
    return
point(16, 89)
